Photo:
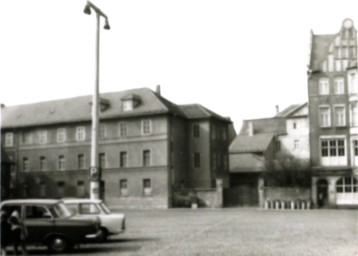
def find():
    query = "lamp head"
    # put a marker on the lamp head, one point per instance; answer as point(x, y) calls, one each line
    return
point(106, 25)
point(87, 9)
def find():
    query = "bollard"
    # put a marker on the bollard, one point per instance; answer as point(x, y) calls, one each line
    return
point(303, 205)
point(267, 204)
point(308, 205)
point(282, 205)
point(277, 205)
point(292, 205)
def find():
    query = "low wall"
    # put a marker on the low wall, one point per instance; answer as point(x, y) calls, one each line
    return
point(212, 198)
point(286, 194)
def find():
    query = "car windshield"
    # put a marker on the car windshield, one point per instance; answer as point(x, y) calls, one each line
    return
point(105, 208)
point(59, 210)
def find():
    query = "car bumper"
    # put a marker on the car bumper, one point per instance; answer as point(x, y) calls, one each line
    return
point(94, 236)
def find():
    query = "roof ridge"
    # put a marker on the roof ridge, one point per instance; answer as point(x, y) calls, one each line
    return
point(76, 97)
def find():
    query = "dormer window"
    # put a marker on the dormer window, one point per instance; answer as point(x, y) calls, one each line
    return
point(128, 105)
point(130, 102)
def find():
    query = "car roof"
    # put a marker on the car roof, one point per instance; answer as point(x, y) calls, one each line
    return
point(80, 200)
point(30, 201)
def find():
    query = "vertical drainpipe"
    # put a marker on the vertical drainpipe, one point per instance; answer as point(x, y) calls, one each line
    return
point(170, 174)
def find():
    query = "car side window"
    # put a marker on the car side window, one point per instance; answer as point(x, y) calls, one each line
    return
point(9, 209)
point(89, 208)
point(72, 208)
point(36, 212)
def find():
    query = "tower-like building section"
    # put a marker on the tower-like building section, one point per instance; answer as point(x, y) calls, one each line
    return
point(333, 117)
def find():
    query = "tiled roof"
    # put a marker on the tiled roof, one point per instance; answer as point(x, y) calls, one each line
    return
point(246, 162)
point(320, 44)
point(197, 111)
point(79, 109)
point(251, 144)
point(287, 110)
point(272, 125)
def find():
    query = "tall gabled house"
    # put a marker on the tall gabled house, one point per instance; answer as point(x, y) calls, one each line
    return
point(333, 115)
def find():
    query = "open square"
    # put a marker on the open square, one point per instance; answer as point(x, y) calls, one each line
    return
point(235, 231)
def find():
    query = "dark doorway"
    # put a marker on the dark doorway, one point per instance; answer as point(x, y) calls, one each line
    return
point(322, 193)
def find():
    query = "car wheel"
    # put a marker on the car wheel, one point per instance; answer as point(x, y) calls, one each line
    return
point(104, 235)
point(58, 244)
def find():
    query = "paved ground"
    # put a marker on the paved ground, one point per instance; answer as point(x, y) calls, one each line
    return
point(238, 231)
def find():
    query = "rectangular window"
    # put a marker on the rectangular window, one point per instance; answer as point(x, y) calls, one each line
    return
point(296, 144)
point(61, 163)
point(80, 133)
point(42, 189)
point(122, 129)
point(123, 190)
point(146, 157)
point(332, 147)
point(352, 83)
point(61, 135)
point(43, 163)
point(225, 161)
point(146, 127)
point(214, 161)
point(196, 160)
point(196, 131)
point(323, 86)
point(213, 132)
point(324, 116)
point(224, 131)
point(9, 139)
point(81, 162)
point(60, 188)
point(339, 85)
point(42, 137)
point(338, 65)
point(25, 164)
point(102, 131)
point(127, 105)
point(81, 191)
point(340, 115)
point(123, 159)
point(294, 125)
point(102, 160)
point(355, 146)
point(147, 187)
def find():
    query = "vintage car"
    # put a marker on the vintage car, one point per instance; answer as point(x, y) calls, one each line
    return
point(111, 223)
point(50, 223)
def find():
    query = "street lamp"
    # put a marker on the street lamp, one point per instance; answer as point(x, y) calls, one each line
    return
point(96, 185)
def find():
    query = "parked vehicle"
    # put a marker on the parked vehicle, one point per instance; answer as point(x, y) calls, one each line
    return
point(50, 223)
point(111, 223)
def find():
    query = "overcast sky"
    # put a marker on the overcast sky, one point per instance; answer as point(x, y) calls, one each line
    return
point(237, 58)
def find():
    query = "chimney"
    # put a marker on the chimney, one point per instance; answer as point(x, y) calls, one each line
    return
point(158, 89)
point(251, 128)
point(277, 109)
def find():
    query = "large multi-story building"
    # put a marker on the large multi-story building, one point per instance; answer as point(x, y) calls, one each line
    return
point(148, 146)
point(333, 116)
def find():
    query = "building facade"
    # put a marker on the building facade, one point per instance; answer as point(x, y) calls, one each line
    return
point(148, 146)
point(333, 117)
point(260, 143)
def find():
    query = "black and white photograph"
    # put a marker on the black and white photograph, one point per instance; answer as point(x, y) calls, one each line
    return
point(179, 128)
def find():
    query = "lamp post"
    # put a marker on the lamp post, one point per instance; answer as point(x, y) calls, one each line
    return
point(96, 184)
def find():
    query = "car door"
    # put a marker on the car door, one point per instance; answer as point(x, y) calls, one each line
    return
point(39, 223)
